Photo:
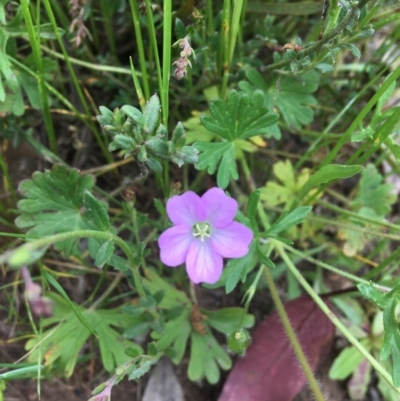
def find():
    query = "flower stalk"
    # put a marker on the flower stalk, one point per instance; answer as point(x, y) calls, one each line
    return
point(331, 316)
point(294, 342)
point(30, 247)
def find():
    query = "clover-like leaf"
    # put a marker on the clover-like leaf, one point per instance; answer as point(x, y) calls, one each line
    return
point(61, 345)
point(53, 204)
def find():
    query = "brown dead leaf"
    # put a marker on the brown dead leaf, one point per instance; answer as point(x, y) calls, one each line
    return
point(270, 371)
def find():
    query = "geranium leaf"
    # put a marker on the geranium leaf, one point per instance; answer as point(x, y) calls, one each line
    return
point(205, 356)
point(360, 380)
point(175, 336)
point(104, 254)
point(240, 117)
point(292, 96)
point(227, 320)
point(285, 192)
point(345, 363)
point(61, 344)
point(252, 209)
point(53, 204)
point(388, 303)
point(96, 211)
point(373, 200)
point(221, 155)
point(237, 269)
point(373, 193)
point(73, 307)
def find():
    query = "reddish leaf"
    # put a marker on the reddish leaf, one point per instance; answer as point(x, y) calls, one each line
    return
point(270, 371)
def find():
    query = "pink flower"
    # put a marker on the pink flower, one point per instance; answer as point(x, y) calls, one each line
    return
point(41, 306)
point(203, 234)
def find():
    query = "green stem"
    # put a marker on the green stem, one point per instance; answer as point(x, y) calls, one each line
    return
point(351, 14)
point(395, 256)
point(166, 61)
point(29, 247)
point(251, 182)
point(294, 342)
point(224, 46)
point(338, 118)
point(107, 21)
point(357, 121)
point(166, 75)
point(331, 316)
point(21, 372)
point(34, 39)
point(138, 88)
point(83, 117)
point(355, 228)
point(363, 219)
point(91, 66)
point(8, 182)
point(108, 291)
point(140, 47)
point(335, 269)
point(76, 83)
point(235, 24)
point(154, 44)
point(210, 18)
point(375, 142)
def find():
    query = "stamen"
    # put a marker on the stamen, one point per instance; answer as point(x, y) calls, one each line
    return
point(201, 230)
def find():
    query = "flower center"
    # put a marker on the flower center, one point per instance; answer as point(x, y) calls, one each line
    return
point(202, 231)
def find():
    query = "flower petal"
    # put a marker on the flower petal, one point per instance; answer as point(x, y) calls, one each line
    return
point(186, 209)
point(174, 244)
point(221, 209)
point(203, 264)
point(231, 241)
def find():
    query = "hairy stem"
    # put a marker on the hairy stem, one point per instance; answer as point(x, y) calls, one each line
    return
point(338, 324)
point(294, 342)
point(43, 242)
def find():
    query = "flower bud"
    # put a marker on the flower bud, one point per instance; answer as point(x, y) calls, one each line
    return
point(40, 306)
point(238, 341)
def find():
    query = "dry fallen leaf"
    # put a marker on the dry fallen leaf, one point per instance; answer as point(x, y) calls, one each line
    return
point(270, 371)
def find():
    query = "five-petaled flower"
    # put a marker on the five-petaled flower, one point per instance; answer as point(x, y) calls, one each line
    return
point(203, 234)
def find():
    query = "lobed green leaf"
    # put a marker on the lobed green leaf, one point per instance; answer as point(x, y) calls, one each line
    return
point(53, 204)
point(218, 154)
point(96, 211)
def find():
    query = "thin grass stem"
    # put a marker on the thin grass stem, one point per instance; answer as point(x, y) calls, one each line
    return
point(140, 48)
point(34, 38)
